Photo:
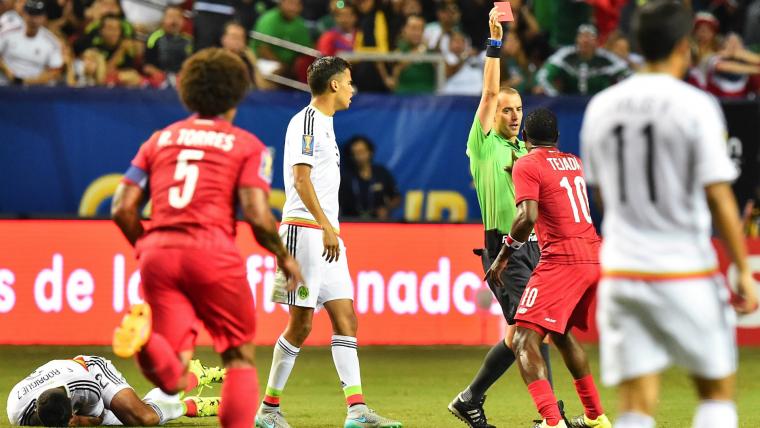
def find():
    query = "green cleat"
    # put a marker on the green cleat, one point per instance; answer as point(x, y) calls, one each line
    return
point(361, 416)
point(206, 375)
point(582, 421)
point(207, 406)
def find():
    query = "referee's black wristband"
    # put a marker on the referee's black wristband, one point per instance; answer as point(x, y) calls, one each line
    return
point(493, 52)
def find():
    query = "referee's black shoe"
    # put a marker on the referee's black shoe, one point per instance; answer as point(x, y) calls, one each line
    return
point(470, 412)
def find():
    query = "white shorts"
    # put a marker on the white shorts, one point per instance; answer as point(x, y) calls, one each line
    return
point(111, 380)
point(645, 327)
point(323, 281)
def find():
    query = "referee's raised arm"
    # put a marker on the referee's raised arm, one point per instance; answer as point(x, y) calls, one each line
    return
point(491, 74)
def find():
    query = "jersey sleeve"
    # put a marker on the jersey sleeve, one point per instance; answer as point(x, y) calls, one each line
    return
point(527, 178)
point(139, 168)
point(713, 165)
point(257, 168)
point(301, 143)
point(476, 141)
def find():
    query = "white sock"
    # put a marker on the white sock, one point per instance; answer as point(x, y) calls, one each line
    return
point(347, 364)
point(716, 413)
point(634, 420)
point(283, 359)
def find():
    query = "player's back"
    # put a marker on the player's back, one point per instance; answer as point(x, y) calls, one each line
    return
point(555, 180)
point(83, 389)
point(652, 143)
point(195, 167)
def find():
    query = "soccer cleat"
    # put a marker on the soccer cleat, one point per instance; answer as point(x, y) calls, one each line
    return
point(582, 421)
point(207, 406)
point(273, 419)
point(470, 412)
point(361, 416)
point(133, 332)
point(206, 375)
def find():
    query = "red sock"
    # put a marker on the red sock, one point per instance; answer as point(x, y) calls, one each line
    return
point(192, 408)
point(160, 364)
point(589, 396)
point(192, 381)
point(546, 402)
point(240, 391)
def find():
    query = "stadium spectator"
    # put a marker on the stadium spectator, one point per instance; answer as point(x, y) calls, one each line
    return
point(582, 69)
point(705, 42)
point(607, 16)
point(729, 73)
point(9, 17)
point(121, 53)
point(618, 44)
point(751, 26)
point(412, 77)
point(88, 390)
point(209, 19)
point(341, 37)
point(567, 17)
point(437, 34)
point(167, 48)
point(373, 35)
point(94, 16)
point(473, 12)
point(284, 22)
point(367, 189)
point(147, 16)
point(87, 70)
point(466, 76)
point(534, 42)
point(327, 21)
point(516, 70)
point(30, 55)
point(249, 11)
point(235, 39)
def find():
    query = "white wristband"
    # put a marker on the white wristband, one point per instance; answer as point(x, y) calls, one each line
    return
point(512, 243)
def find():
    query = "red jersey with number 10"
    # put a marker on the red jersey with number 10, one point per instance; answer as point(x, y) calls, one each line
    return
point(194, 168)
point(555, 180)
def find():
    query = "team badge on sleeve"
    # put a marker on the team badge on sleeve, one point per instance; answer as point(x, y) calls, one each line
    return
point(307, 147)
point(265, 169)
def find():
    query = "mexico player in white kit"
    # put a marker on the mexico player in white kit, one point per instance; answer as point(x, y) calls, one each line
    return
point(656, 150)
point(88, 390)
point(310, 230)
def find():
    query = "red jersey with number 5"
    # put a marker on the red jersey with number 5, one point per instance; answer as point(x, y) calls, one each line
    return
point(555, 180)
point(192, 170)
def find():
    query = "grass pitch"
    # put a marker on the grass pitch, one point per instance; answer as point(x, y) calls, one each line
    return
point(413, 384)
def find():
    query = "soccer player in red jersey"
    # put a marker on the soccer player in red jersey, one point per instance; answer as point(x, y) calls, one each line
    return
point(550, 193)
point(196, 171)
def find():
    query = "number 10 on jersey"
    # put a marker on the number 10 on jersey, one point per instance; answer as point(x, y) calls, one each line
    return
point(580, 193)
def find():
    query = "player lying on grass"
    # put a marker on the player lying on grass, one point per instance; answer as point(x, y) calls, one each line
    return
point(89, 391)
point(550, 193)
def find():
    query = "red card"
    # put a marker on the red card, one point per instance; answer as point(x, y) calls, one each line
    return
point(505, 8)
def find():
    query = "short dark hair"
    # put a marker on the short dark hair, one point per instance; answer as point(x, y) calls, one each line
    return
point(658, 26)
point(213, 81)
point(321, 72)
point(176, 7)
point(541, 127)
point(54, 407)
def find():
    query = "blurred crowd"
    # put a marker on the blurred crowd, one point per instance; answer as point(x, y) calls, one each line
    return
point(553, 47)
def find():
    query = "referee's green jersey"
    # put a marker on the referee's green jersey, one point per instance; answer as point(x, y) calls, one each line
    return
point(489, 155)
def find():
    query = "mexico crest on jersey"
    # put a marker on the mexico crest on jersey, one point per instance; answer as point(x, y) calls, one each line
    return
point(307, 147)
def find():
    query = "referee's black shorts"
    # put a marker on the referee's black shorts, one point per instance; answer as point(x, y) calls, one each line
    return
point(515, 277)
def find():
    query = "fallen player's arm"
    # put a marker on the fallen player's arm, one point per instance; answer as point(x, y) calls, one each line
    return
point(85, 421)
point(125, 211)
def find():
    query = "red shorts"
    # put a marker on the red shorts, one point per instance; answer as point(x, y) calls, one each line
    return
point(186, 285)
point(558, 297)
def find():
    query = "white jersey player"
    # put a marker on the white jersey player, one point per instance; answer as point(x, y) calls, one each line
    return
point(656, 149)
point(310, 230)
point(91, 387)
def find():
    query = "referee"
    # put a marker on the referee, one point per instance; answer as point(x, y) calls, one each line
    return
point(492, 147)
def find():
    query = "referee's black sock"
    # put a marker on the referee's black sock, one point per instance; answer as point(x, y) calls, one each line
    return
point(545, 353)
point(497, 361)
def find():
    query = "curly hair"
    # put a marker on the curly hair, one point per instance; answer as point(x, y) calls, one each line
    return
point(213, 81)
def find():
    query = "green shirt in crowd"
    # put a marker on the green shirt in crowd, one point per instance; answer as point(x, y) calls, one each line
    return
point(416, 78)
point(274, 24)
point(489, 156)
point(566, 72)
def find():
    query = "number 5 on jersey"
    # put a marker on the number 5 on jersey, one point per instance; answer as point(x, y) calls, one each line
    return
point(180, 197)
